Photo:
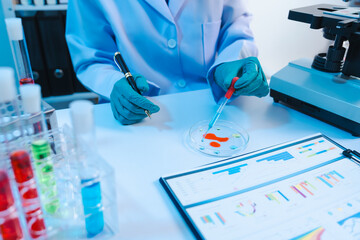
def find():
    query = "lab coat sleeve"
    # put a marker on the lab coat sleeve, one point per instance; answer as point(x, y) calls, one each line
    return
point(92, 45)
point(235, 40)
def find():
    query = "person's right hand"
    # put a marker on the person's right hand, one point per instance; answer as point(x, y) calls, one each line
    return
point(127, 105)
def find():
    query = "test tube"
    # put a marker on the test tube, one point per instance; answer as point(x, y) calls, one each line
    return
point(25, 180)
point(11, 130)
point(10, 227)
point(20, 51)
point(83, 124)
point(9, 106)
point(31, 99)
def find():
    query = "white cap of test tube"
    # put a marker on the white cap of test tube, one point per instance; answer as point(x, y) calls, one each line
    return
point(7, 84)
point(14, 28)
point(31, 98)
point(82, 116)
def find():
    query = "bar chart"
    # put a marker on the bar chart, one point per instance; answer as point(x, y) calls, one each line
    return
point(330, 179)
point(220, 217)
point(207, 219)
point(311, 144)
point(304, 189)
point(277, 196)
point(283, 156)
point(213, 219)
point(322, 151)
point(232, 170)
point(314, 234)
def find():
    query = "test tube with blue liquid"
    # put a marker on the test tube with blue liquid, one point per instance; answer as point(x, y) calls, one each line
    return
point(83, 124)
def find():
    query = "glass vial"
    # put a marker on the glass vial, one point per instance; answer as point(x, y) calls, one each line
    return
point(10, 227)
point(36, 127)
point(12, 131)
point(20, 51)
point(83, 124)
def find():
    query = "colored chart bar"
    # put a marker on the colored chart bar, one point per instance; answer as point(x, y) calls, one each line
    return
point(304, 188)
point(283, 196)
point(220, 217)
point(331, 178)
point(297, 191)
point(311, 144)
point(323, 151)
point(321, 178)
point(207, 219)
point(273, 196)
point(232, 170)
point(306, 150)
point(336, 173)
point(314, 234)
point(278, 157)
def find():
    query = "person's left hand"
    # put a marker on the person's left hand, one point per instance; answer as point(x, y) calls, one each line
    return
point(252, 80)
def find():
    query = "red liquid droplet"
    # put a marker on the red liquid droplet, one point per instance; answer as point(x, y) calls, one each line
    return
point(24, 81)
point(215, 144)
point(212, 136)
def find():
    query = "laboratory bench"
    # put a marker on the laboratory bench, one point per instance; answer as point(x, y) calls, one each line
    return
point(141, 153)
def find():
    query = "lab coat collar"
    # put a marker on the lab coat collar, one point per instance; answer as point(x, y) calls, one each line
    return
point(168, 12)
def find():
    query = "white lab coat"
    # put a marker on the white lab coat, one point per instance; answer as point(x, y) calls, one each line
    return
point(175, 47)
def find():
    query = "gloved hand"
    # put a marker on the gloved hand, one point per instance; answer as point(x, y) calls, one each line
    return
point(127, 105)
point(252, 80)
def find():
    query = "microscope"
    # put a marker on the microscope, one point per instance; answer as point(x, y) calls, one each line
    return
point(327, 87)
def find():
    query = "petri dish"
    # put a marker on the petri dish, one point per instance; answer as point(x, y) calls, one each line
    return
point(223, 140)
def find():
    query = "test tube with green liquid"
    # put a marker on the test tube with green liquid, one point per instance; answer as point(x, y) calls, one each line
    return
point(44, 168)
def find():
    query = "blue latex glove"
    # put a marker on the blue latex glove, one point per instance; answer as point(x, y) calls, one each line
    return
point(127, 105)
point(252, 80)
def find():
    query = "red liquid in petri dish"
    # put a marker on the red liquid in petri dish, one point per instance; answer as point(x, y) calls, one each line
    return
point(212, 136)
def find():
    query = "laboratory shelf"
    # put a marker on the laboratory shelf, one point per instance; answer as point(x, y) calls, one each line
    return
point(56, 7)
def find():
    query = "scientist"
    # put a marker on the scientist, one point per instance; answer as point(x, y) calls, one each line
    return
point(169, 46)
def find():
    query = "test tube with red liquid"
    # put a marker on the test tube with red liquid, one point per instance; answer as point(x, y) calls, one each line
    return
point(12, 131)
point(10, 227)
point(25, 180)
point(20, 51)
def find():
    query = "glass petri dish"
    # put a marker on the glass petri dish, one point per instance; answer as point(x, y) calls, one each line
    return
point(223, 140)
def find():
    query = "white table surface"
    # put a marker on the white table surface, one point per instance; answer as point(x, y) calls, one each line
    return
point(142, 153)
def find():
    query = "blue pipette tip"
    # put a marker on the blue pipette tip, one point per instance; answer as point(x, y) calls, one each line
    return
point(203, 136)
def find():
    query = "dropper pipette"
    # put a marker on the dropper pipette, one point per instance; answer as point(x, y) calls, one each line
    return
point(224, 101)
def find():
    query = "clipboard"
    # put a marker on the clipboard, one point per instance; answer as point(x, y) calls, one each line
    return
point(297, 190)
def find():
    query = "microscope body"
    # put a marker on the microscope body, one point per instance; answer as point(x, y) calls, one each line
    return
point(327, 87)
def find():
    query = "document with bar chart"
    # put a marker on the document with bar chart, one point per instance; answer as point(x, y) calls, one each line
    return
point(305, 189)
